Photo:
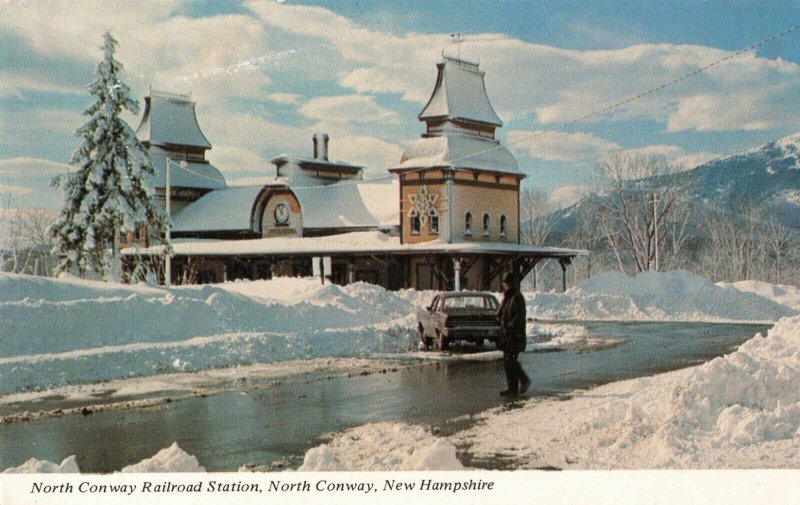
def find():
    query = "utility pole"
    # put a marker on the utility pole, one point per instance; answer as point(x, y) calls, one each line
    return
point(168, 259)
point(655, 225)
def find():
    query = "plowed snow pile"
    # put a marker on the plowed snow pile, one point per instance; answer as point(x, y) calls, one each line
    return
point(55, 332)
point(738, 411)
point(171, 459)
point(383, 447)
point(779, 293)
point(655, 296)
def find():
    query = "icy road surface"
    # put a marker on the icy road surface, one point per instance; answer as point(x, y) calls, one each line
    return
point(261, 426)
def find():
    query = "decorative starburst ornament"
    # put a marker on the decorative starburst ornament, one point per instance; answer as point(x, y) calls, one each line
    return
point(423, 204)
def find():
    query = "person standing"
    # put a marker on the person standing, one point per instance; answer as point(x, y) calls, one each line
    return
point(512, 339)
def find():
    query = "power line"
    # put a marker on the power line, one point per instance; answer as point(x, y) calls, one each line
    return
point(567, 124)
point(611, 107)
point(643, 94)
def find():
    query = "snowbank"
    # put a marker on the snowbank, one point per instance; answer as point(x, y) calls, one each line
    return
point(62, 331)
point(383, 447)
point(33, 465)
point(655, 296)
point(171, 459)
point(56, 332)
point(738, 411)
point(778, 293)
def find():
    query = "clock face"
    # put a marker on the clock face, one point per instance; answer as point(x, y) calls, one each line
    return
point(282, 214)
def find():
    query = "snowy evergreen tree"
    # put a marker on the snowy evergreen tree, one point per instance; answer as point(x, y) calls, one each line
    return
point(109, 192)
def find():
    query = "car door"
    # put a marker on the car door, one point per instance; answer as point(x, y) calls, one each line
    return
point(428, 318)
point(439, 316)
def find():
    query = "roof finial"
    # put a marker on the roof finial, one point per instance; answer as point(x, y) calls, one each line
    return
point(457, 38)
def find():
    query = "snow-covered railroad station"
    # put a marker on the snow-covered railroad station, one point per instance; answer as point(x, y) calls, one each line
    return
point(446, 217)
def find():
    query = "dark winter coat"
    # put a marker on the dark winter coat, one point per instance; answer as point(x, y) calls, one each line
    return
point(512, 319)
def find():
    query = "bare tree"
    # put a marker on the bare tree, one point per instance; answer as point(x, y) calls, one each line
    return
point(536, 223)
point(779, 245)
point(644, 210)
point(733, 243)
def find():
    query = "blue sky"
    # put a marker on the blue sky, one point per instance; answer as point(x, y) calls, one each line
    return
point(266, 75)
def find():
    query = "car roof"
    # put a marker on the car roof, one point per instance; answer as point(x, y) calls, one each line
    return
point(456, 294)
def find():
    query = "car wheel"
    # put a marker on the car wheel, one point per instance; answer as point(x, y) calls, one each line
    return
point(426, 341)
point(442, 341)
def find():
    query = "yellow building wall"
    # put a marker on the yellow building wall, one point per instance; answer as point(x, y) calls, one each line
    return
point(480, 200)
point(406, 205)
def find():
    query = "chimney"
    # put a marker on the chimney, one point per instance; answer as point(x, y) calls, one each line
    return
point(321, 146)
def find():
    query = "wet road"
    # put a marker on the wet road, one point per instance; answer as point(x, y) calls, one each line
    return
point(228, 430)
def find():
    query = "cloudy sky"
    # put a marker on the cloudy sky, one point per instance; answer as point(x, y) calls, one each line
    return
point(266, 75)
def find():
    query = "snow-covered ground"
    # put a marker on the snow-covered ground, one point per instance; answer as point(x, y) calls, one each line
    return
point(738, 411)
point(61, 332)
point(383, 447)
point(171, 459)
point(656, 296)
point(742, 410)
point(780, 293)
point(57, 332)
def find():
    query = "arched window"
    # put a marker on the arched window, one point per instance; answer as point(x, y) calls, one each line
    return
point(468, 223)
point(433, 222)
point(415, 223)
point(503, 226)
point(486, 225)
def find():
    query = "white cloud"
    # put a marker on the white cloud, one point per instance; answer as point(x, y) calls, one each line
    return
point(674, 154)
point(586, 148)
point(15, 190)
point(27, 182)
point(668, 151)
point(26, 167)
point(157, 44)
point(228, 159)
point(353, 108)
point(557, 85)
point(560, 146)
point(692, 160)
point(565, 196)
point(284, 98)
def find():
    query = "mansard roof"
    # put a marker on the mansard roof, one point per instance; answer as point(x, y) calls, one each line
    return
point(460, 94)
point(169, 120)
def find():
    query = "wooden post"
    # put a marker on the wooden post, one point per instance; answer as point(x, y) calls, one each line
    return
point(563, 274)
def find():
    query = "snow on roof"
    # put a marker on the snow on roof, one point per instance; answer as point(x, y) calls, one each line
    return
point(170, 120)
point(368, 204)
point(223, 209)
point(459, 150)
point(284, 158)
point(460, 93)
point(367, 242)
point(350, 204)
point(196, 174)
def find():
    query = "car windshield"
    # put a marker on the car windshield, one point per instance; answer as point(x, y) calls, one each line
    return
point(470, 302)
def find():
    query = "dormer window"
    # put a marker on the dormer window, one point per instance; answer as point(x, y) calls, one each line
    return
point(486, 225)
point(503, 226)
point(468, 224)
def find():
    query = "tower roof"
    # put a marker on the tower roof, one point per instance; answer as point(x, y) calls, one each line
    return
point(460, 94)
point(169, 119)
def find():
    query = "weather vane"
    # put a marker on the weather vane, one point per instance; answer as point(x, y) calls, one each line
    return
point(457, 38)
